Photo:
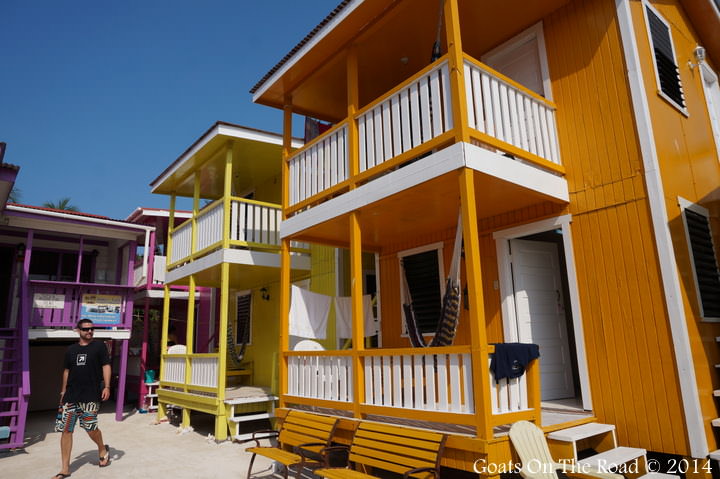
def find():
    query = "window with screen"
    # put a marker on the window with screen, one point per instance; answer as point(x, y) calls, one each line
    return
point(666, 68)
point(424, 287)
point(704, 259)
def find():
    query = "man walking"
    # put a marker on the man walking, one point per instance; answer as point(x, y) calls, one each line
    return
point(85, 382)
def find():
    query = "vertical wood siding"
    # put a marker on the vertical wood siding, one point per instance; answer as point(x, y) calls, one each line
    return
point(629, 347)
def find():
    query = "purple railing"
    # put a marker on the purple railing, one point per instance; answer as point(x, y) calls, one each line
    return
point(58, 304)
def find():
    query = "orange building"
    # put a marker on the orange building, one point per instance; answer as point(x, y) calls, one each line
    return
point(574, 143)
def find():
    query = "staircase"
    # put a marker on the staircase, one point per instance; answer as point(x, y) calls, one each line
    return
point(247, 409)
point(611, 458)
point(13, 393)
point(715, 455)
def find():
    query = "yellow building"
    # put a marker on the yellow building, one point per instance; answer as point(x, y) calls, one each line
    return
point(578, 142)
point(229, 246)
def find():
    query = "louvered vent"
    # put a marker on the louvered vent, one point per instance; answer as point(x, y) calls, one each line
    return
point(423, 279)
point(704, 260)
point(667, 69)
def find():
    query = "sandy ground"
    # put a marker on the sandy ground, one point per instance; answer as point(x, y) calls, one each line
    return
point(139, 449)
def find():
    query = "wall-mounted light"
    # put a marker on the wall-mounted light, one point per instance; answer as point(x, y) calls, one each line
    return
point(20, 250)
point(699, 54)
point(264, 294)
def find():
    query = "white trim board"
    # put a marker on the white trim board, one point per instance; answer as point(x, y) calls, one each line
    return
point(502, 238)
point(666, 257)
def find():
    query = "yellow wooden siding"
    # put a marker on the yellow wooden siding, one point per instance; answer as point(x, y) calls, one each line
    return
point(689, 168)
point(323, 281)
point(629, 347)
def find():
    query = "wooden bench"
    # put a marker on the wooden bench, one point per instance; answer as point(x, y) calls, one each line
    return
point(407, 451)
point(302, 431)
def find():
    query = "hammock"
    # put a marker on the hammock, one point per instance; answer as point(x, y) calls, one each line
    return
point(450, 311)
point(234, 359)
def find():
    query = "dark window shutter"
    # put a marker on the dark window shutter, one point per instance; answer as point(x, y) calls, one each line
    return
point(706, 267)
point(667, 70)
point(242, 331)
point(422, 275)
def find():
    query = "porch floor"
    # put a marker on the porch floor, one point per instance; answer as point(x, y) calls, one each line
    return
point(554, 413)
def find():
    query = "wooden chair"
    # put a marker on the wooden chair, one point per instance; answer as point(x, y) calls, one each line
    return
point(537, 463)
point(304, 432)
point(410, 452)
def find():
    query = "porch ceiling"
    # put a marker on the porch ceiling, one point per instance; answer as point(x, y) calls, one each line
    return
point(393, 40)
point(256, 160)
point(424, 209)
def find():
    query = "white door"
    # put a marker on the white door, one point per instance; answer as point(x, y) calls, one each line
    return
point(540, 311)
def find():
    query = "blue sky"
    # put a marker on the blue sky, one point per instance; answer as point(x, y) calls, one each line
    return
point(97, 97)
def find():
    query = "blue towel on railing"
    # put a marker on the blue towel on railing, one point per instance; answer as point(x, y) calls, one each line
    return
point(510, 359)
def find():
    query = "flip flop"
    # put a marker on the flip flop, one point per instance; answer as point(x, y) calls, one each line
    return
point(60, 475)
point(105, 458)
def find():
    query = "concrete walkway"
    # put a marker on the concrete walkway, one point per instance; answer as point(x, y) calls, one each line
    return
point(139, 449)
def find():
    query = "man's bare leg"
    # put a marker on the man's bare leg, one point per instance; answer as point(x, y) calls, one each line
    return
point(97, 438)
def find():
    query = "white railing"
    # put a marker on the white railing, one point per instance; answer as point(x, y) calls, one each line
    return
point(209, 226)
point(159, 269)
point(508, 395)
point(319, 167)
point(204, 371)
point(174, 369)
point(255, 222)
point(181, 242)
point(431, 382)
point(503, 111)
point(321, 377)
point(414, 115)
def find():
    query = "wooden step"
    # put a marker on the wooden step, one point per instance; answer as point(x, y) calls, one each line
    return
point(613, 458)
point(251, 400)
point(716, 422)
point(251, 417)
point(715, 454)
point(584, 431)
point(246, 436)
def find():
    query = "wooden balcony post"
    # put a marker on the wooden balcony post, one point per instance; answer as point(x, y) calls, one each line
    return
point(353, 148)
point(456, 69)
point(171, 230)
point(284, 318)
point(162, 413)
point(196, 211)
point(227, 195)
point(478, 334)
point(358, 326)
point(285, 257)
point(223, 333)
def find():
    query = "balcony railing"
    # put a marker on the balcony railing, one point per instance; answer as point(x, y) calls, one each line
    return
point(203, 370)
point(60, 304)
point(436, 381)
point(253, 224)
point(416, 117)
point(158, 271)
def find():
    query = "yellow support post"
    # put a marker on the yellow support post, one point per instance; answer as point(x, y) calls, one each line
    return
point(456, 68)
point(227, 195)
point(478, 334)
point(353, 148)
point(285, 264)
point(356, 293)
point(162, 412)
point(220, 416)
point(189, 341)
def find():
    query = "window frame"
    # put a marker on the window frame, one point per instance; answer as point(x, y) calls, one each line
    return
point(648, 7)
point(686, 205)
point(438, 247)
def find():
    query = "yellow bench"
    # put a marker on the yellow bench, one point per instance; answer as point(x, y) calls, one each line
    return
point(303, 431)
point(407, 451)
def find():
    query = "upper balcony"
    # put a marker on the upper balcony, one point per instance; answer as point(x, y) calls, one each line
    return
point(235, 171)
point(365, 70)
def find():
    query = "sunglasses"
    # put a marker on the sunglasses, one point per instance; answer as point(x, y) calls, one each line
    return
point(87, 329)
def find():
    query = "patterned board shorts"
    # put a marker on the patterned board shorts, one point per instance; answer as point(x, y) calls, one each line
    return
point(69, 413)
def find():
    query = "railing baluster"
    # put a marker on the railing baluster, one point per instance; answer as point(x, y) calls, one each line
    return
point(415, 120)
point(425, 109)
point(368, 380)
